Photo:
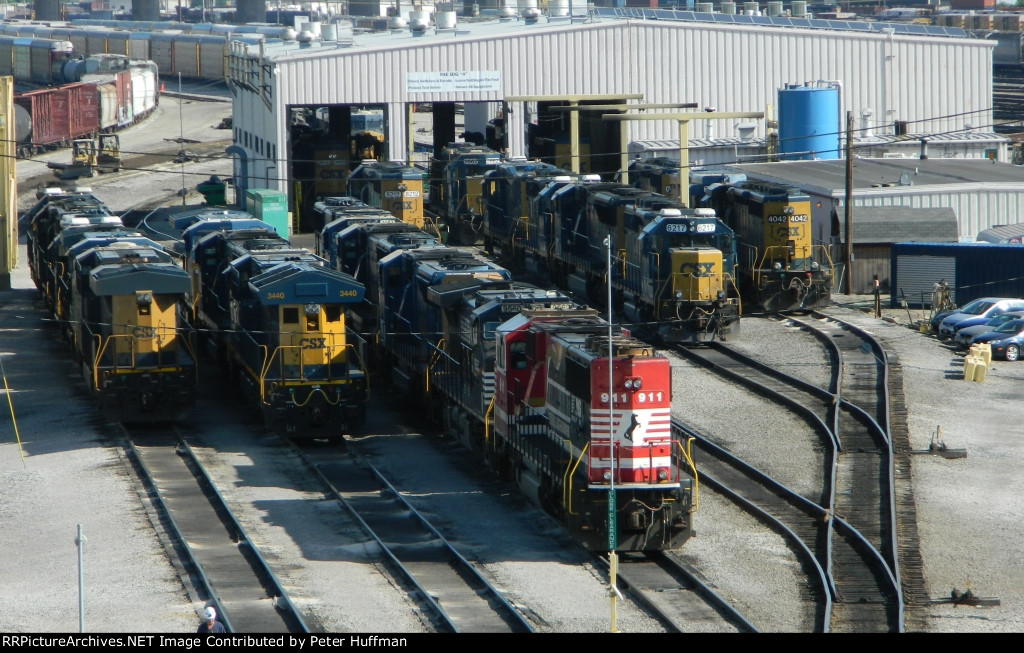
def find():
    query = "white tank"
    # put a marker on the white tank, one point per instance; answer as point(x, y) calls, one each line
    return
point(704, 7)
point(774, 8)
point(396, 22)
point(507, 9)
point(558, 8)
point(528, 9)
point(445, 19)
point(329, 32)
point(798, 8)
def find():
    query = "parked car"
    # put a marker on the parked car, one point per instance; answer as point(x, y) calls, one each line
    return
point(1006, 341)
point(942, 315)
point(964, 335)
point(985, 307)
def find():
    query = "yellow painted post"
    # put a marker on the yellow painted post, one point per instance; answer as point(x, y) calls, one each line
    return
point(8, 185)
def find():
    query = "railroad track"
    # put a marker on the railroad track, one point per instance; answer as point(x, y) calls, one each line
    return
point(460, 599)
point(229, 567)
point(678, 597)
point(844, 532)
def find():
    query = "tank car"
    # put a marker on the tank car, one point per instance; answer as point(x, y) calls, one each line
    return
point(781, 268)
point(585, 429)
point(274, 317)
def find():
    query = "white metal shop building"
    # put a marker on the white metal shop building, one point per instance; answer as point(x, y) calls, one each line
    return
point(932, 80)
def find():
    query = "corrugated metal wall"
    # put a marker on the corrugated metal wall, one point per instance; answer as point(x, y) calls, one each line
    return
point(935, 83)
point(938, 84)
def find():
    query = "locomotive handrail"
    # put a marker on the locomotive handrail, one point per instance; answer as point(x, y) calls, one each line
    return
point(435, 357)
point(271, 359)
point(827, 256)
point(570, 470)
point(688, 457)
point(487, 422)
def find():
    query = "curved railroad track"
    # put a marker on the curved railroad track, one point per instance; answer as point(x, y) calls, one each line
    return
point(230, 569)
point(845, 535)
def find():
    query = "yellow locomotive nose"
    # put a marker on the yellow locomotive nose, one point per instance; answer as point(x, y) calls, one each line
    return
point(697, 273)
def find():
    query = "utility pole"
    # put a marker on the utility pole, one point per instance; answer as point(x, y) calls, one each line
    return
point(849, 203)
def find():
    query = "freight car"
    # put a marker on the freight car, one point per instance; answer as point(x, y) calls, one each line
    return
point(520, 375)
point(274, 317)
point(672, 268)
point(116, 296)
point(196, 51)
point(780, 267)
point(102, 95)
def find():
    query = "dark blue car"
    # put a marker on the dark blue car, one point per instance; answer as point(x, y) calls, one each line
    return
point(1006, 341)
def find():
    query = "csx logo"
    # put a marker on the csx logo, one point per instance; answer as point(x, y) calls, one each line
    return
point(786, 232)
point(143, 333)
point(698, 269)
point(401, 206)
point(313, 343)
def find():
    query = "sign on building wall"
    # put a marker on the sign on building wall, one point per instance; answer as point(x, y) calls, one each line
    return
point(453, 81)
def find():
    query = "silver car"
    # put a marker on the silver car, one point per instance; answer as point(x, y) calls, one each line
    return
point(963, 337)
point(979, 308)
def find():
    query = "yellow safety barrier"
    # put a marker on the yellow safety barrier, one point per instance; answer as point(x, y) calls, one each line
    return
point(970, 364)
point(982, 350)
point(975, 366)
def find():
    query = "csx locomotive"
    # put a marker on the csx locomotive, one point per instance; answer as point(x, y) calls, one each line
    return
point(672, 268)
point(781, 268)
point(274, 316)
point(115, 295)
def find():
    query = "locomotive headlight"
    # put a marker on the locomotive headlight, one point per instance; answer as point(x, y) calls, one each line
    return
point(679, 294)
point(629, 384)
point(144, 299)
point(608, 475)
point(662, 475)
point(815, 266)
point(777, 266)
point(312, 309)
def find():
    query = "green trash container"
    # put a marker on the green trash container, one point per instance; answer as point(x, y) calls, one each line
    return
point(213, 191)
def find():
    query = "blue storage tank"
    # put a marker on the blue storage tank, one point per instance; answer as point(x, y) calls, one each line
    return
point(971, 270)
point(809, 121)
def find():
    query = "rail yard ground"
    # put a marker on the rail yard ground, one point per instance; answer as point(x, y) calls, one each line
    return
point(59, 469)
